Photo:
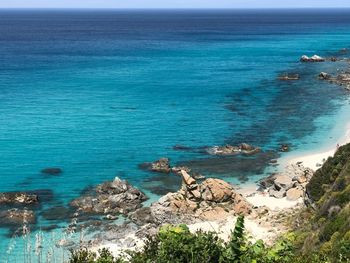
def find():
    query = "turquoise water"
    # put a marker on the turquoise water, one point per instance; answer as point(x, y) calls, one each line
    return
point(96, 93)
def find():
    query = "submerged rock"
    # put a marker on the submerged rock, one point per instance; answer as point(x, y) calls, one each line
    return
point(17, 216)
point(228, 150)
point(161, 166)
point(113, 197)
point(52, 171)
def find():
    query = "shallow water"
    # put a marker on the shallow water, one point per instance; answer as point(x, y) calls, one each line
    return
point(96, 93)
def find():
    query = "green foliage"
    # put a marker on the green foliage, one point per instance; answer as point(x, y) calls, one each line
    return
point(176, 244)
point(83, 255)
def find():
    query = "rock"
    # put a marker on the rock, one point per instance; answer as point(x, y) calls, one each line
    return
point(289, 77)
point(57, 213)
point(111, 217)
point(224, 150)
point(18, 198)
point(187, 179)
point(177, 169)
point(267, 182)
point(324, 76)
point(278, 194)
point(228, 150)
point(142, 216)
point(180, 147)
point(113, 197)
point(52, 171)
point(294, 194)
point(284, 148)
point(216, 190)
point(161, 166)
point(314, 58)
point(212, 199)
point(283, 182)
point(17, 216)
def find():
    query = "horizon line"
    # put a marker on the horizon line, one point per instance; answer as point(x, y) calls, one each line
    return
point(170, 8)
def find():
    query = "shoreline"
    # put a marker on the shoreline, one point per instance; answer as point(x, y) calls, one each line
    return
point(314, 160)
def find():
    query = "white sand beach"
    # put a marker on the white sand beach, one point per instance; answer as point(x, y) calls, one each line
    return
point(314, 160)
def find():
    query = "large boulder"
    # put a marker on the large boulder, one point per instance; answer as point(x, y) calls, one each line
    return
point(113, 197)
point(294, 194)
point(283, 182)
point(216, 190)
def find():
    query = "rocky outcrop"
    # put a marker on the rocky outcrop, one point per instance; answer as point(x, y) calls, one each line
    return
point(228, 150)
point(314, 58)
point(342, 79)
point(209, 200)
point(115, 197)
point(290, 184)
point(52, 171)
point(161, 166)
point(18, 198)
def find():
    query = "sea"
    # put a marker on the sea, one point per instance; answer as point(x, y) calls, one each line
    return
point(98, 92)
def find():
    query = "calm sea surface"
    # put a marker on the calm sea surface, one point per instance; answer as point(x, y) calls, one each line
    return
point(96, 93)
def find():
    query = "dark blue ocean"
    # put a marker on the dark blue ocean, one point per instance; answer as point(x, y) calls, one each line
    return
point(96, 93)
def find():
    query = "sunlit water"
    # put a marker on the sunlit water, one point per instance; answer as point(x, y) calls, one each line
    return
point(96, 93)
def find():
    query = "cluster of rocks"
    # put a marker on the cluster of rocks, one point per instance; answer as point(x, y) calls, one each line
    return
point(291, 184)
point(228, 150)
point(342, 79)
point(314, 58)
point(18, 208)
point(110, 199)
point(209, 200)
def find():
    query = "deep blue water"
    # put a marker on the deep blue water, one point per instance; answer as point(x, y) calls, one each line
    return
point(98, 92)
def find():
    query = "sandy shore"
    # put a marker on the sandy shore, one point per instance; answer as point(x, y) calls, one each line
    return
point(314, 160)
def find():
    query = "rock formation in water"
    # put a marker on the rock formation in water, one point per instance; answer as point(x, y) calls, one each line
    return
point(228, 150)
point(110, 198)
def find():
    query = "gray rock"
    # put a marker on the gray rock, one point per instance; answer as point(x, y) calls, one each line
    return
point(277, 194)
point(115, 197)
point(283, 182)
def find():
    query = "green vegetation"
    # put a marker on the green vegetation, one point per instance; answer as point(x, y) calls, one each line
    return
point(321, 232)
point(326, 229)
point(176, 244)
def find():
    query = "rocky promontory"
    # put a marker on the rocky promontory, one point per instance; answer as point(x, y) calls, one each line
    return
point(212, 199)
